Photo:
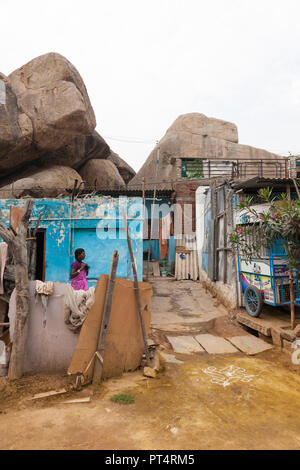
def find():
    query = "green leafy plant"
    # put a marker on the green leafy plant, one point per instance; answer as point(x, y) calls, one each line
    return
point(123, 399)
point(280, 222)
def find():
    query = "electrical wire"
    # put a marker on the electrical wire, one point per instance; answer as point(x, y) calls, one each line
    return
point(131, 140)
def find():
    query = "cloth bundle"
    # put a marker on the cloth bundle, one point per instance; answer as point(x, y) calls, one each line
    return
point(76, 305)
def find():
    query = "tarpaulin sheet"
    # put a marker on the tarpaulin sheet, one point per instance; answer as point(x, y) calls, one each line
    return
point(124, 341)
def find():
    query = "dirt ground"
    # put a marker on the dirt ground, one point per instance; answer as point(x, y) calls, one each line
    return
point(180, 409)
point(184, 407)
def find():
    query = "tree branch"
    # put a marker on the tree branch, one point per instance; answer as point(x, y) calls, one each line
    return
point(6, 234)
point(27, 212)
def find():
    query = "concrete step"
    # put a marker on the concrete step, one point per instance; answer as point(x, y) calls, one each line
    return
point(215, 345)
point(185, 344)
point(250, 344)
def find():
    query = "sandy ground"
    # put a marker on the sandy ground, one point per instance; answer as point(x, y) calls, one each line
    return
point(183, 408)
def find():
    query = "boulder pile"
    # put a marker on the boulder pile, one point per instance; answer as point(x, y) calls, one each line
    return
point(47, 131)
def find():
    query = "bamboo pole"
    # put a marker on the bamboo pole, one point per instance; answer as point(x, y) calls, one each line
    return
point(291, 282)
point(137, 289)
point(152, 210)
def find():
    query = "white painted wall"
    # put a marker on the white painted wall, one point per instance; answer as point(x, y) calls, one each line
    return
point(200, 201)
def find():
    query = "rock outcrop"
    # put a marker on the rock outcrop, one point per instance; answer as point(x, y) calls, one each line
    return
point(46, 119)
point(46, 108)
point(199, 124)
point(124, 169)
point(101, 174)
point(50, 91)
point(79, 151)
point(196, 136)
point(49, 182)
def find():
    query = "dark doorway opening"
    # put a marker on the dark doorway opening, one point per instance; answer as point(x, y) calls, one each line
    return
point(40, 254)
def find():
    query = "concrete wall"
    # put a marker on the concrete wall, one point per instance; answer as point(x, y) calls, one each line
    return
point(225, 293)
point(51, 348)
point(94, 224)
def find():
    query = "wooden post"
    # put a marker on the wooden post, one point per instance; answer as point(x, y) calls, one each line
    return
point(292, 294)
point(18, 246)
point(137, 290)
point(105, 319)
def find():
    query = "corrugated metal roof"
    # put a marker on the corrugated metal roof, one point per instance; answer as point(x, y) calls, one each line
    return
point(258, 182)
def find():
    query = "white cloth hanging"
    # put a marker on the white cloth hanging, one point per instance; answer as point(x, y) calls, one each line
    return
point(76, 306)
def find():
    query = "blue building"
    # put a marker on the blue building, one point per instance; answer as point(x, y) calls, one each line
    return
point(92, 223)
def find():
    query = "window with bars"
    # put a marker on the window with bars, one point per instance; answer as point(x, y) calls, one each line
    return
point(192, 168)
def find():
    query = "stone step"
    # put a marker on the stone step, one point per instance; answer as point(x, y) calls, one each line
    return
point(185, 344)
point(215, 345)
point(250, 344)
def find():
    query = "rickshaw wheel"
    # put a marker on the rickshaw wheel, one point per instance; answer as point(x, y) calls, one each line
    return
point(253, 301)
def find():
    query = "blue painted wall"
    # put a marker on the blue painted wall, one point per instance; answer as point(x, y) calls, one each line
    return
point(94, 224)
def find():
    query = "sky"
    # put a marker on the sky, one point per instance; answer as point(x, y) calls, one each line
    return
point(144, 63)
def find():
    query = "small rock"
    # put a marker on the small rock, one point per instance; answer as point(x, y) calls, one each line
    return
point(174, 431)
point(149, 372)
point(155, 362)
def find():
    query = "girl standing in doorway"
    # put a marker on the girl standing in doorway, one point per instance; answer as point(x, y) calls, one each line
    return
point(79, 271)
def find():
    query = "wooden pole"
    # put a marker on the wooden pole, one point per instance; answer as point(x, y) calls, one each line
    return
point(291, 281)
point(137, 289)
point(105, 319)
point(18, 247)
point(152, 210)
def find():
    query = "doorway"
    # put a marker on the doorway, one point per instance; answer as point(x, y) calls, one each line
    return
point(40, 255)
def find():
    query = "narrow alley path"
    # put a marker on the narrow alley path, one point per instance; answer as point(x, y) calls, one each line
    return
point(202, 399)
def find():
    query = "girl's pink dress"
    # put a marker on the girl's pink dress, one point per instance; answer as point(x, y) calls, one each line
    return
point(80, 281)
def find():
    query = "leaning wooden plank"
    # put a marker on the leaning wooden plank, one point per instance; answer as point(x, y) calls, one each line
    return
point(136, 287)
point(78, 400)
point(47, 394)
point(124, 343)
point(105, 319)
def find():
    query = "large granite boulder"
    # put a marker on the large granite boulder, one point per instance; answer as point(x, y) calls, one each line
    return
point(79, 151)
point(101, 174)
point(199, 124)
point(46, 108)
point(124, 169)
point(16, 129)
point(49, 182)
point(195, 136)
point(52, 94)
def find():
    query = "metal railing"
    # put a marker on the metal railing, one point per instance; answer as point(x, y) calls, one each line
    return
point(246, 169)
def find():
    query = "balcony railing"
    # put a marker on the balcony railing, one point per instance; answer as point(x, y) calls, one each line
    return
point(239, 169)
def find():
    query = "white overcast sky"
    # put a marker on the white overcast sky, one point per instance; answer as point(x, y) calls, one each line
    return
point(145, 62)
